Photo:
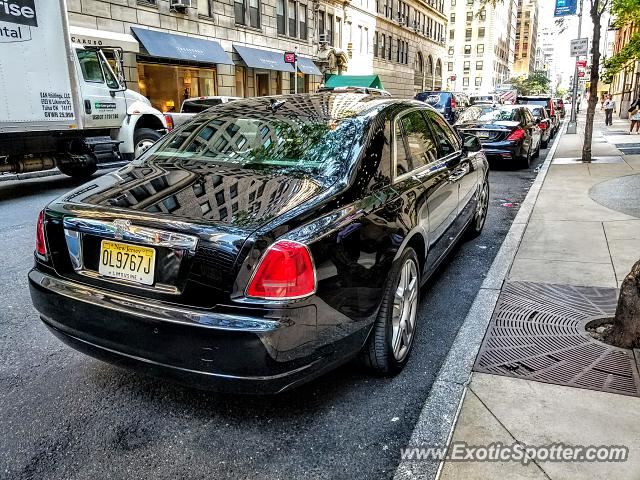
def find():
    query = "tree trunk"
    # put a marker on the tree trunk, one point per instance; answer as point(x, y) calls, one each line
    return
point(593, 87)
point(626, 323)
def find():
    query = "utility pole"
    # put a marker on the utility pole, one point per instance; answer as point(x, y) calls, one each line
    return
point(572, 127)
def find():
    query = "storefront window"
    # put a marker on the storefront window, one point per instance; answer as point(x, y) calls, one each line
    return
point(303, 84)
point(167, 86)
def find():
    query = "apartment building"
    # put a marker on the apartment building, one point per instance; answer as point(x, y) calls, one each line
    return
point(480, 45)
point(526, 37)
point(176, 49)
point(625, 86)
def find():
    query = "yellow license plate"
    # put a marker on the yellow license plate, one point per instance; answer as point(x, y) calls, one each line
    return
point(127, 262)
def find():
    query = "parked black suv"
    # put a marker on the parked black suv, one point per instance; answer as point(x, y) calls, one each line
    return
point(449, 104)
point(545, 101)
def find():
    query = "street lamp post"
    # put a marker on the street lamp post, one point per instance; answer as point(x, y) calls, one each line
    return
point(572, 127)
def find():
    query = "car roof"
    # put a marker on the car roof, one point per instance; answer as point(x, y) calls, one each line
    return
point(319, 106)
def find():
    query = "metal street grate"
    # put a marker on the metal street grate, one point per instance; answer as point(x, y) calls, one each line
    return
point(537, 333)
point(616, 132)
point(630, 151)
point(627, 145)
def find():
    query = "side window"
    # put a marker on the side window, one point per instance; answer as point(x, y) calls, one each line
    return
point(90, 66)
point(402, 158)
point(418, 138)
point(447, 140)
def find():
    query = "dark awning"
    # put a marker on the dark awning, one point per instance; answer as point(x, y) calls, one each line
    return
point(180, 47)
point(267, 59)
point(371, 81)
point(306, 65)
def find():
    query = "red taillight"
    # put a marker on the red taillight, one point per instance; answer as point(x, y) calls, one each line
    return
point(517, 134)
point(169, 120)
point(453, 102)
point(41, 246)
point(543, 125)
point(286, 271)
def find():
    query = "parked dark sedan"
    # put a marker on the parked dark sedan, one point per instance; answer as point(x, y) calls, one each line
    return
point(544, 122)
point(508, 132)
point(263, 243)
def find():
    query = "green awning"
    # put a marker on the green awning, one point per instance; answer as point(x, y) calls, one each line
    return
point(372, 81)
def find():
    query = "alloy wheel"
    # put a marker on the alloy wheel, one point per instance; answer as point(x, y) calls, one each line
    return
point(405, 307)
point(142, 146)
point(482, 207)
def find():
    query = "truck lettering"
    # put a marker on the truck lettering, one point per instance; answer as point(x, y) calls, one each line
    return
point(22, 12)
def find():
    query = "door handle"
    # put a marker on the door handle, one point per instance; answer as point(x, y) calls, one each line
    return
point(459, 172)
point(87, 106)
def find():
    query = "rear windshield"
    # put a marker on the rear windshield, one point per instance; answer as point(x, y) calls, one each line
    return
point(279, 145)
point(501, 115)
point(435, 99)
point(473, 113)
point(197, 106)
point(482, 98)
point(526, 101)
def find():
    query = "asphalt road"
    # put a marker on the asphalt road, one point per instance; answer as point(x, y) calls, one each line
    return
point(67, 416)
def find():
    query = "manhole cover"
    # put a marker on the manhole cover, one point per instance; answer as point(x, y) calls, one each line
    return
point(537, 333)
point(621, 194)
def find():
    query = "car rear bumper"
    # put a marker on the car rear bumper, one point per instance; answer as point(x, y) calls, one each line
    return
point(503, 150)
point(241, 350)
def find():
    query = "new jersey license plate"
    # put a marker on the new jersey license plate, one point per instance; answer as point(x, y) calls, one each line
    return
point(127, 262)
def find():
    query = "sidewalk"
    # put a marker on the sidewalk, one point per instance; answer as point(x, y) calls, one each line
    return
point(539, 378)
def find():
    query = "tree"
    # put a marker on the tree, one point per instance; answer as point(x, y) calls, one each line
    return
point(537, 82)
point(624, 12)
point(625, 332)
point(596, 9)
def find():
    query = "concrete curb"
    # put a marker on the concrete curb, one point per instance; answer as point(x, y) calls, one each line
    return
point(440, 412)
point(9, 177)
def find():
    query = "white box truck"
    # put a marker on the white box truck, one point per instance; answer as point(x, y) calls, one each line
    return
point(62, 104)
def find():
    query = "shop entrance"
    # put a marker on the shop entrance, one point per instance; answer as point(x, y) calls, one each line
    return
point(262, 84)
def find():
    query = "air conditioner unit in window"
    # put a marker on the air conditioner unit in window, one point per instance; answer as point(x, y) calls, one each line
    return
point(323, 39)
point(180, 5)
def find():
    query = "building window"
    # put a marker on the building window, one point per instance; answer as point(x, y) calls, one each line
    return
point(204, 8)
point(450, 51)
point(280, 17)
point(483, 14)
point(470, 2)
point(465, 81)
point(247, 12)
point(452, 34)
point(240, 82)
point(321, 30)
point(302, 16)
point(399, 54)
point(383, 45)
point(478, 81)
point(330, 29)
point(375, 44)
point(467, 35)
point(453, 17)
point(390, 47)
point(453, 3)
point(469, 16)
point(479, 65)
point(293, 21)
point(481, 32)
point(339, 31)
point(467, 66)
point(467, 49)
point(479, 48)
point(450, 67)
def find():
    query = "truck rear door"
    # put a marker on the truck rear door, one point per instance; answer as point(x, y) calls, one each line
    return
point(102, 98)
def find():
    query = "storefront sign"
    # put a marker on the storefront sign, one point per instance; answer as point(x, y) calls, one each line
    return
point(290, 57)
point(565, 7)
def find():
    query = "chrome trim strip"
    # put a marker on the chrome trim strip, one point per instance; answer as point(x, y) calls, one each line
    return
point(153, 310)
point(123, 230)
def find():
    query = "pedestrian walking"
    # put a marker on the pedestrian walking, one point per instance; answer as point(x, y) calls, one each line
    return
point(634, 115)
point(609, 107)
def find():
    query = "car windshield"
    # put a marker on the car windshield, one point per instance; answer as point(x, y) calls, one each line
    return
point(537, 112)
point(502, 114)
point(276, 145)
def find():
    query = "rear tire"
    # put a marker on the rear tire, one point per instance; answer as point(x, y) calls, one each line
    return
point(525, 162)
point(389, 344)
point(77, 169)
point(480, 216)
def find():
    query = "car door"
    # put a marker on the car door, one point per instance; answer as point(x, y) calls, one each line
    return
point(464, 173)
point(433, 171)
point(103, 101)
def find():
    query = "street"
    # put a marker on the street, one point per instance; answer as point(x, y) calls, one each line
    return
point(68, 416)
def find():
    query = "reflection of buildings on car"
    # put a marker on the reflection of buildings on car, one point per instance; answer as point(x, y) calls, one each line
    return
point(235, 48)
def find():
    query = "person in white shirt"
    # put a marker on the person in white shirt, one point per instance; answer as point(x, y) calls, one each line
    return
point(609, 107)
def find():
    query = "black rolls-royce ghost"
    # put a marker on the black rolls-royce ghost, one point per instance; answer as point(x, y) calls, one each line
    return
point(262, 243)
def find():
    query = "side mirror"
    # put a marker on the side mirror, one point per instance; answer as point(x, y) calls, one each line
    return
point(471, 143)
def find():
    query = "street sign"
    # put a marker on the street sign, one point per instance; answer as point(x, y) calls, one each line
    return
point(580, 74)
point(565, 7)
point(579, 46)
point(290, 57)
point(581, 63)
